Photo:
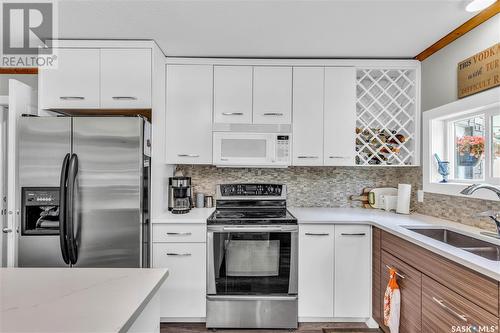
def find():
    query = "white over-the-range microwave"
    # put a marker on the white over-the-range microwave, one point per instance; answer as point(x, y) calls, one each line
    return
point(238, 145)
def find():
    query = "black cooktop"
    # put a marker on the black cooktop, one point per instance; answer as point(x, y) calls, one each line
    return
point(251, 203)
point(258, 216)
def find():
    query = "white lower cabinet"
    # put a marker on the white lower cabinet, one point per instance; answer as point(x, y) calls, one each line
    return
point(182, 296)
point(352, 271)
point(334, 272)
point(316, 271)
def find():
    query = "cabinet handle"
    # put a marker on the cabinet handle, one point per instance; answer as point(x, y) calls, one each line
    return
point(303, 156)
point(317, 234)
point(6, 230)
point(453, 312)
point(338, 157)
point(125, 98)
point(68, 98)
point(179, 233)
point(178, 254)
point(188, 155)
point(232, 113)
point(273, 114)
point(398, 274)
point(353, 234)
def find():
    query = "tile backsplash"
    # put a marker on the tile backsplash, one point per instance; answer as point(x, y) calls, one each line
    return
point(333, 186)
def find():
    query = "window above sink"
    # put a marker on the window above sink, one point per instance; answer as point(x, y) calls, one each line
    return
point(465, 136)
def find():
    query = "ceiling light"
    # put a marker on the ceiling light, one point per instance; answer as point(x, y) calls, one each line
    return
point(477, 5)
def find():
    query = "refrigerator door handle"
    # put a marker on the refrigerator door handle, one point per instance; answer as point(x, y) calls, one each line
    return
point(70, 203)
point(63, 241)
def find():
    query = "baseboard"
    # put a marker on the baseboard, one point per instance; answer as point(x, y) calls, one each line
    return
point(182, 319)
point(332, 320)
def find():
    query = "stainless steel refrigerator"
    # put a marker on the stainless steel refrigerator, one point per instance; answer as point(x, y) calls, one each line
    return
point(84, 184)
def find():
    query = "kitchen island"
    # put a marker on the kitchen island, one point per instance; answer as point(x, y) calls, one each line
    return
point(80, 299)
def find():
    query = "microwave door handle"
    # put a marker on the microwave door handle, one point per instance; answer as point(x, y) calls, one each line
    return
point(63, 241)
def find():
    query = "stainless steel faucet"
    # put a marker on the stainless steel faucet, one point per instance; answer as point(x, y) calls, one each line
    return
point(473, 188)
point(494, 215)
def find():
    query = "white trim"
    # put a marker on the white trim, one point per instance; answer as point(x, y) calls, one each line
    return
point(432, 133)
point(365, 63)
point(183, 319)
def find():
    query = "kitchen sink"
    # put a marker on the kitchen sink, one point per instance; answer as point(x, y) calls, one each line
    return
point(470, 244)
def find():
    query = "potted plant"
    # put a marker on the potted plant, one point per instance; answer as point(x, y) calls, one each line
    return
point(470, 150)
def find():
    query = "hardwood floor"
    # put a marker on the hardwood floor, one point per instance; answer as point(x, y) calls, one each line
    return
point(303, 328)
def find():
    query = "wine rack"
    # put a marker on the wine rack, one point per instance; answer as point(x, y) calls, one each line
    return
point(386, 116)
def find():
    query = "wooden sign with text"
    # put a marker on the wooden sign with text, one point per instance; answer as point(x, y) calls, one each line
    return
point(479, 72)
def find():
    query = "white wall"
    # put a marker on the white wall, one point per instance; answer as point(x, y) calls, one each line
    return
point(30, 80)
point(439, 71)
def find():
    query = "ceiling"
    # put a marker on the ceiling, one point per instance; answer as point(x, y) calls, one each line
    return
point(268, 28)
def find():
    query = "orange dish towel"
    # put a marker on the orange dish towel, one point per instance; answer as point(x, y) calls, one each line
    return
point(392, 303)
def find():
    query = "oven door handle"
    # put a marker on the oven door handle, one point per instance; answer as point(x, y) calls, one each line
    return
point(253, 229)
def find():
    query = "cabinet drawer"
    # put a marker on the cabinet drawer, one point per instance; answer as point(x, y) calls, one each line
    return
point(478, 288)
point(410, 288)
point(444, 311)
point(183, 294)
point(179, 233)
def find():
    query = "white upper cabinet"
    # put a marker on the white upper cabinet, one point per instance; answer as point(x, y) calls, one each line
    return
point(352, 271)
point(74, 83)
point(272, 95)
point(308, 116)
point(125, 78)
point(340, 116)
point(189, 114)
point(233, 94)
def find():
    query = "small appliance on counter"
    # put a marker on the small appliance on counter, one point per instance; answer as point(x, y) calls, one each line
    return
point(180, 198)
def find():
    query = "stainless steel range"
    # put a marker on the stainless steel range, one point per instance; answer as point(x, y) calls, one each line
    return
point(252, 258)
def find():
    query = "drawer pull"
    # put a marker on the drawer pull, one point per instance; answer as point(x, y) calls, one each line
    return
point(303, 156)
point(353, 234)
point(317, 234)
point(338, 157)
point(453, 312)
point(398, 274)
point(188, 155)
point(178, 254)
point(69, 98)
point(125, 98)
point(232, 113)
point(179, 233)
point(279, 114)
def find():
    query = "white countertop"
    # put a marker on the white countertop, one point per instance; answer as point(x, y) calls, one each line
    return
point(75, 299)
point(393, 223)
point(195, 215)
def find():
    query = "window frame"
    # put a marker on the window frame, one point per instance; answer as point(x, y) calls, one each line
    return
point(438, 138)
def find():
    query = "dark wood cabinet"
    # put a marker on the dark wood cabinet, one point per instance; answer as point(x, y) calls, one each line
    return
point(436, 292)
point(446, 311)
point(479, 289)
point(410, 286)
point(376, 276)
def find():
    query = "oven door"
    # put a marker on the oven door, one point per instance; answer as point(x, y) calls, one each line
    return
point(252, 260)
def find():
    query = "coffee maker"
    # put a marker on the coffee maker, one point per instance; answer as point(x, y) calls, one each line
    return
point(180, 194)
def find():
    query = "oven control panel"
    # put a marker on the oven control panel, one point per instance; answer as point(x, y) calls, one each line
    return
point(252, 190)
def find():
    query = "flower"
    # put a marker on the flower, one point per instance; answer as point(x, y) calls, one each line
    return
point(472, 145)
